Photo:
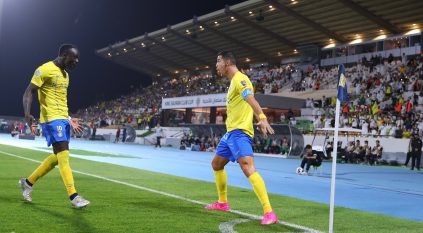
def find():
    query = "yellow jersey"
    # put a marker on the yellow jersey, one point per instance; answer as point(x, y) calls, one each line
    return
point(239, 113)
point(52, 83)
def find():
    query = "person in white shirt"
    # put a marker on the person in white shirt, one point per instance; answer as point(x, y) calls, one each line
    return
point(345, 122)
point(392, 131)
point(365, 128)
point(158, 133)
point(327, 122)
point(400, 123)
point(358, 88)
point(384, 130)
point(420, 125)
point(282, 118)
point(316, 122)
point(354, 123)
point(308, 103)
point(342, 120)
point(219, 119)
point(374, 132)
point(293, 121)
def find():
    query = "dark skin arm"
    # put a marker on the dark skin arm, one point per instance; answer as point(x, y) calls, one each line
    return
point(27, 102)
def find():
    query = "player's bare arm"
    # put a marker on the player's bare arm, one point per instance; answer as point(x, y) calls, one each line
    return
point(264, 126)
point(27, 101)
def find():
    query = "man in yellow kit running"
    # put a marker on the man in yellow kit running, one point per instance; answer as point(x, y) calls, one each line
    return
point(235, 145)
point(51, 80)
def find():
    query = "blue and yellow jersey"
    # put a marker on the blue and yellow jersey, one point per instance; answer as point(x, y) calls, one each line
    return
point(239, 113)
point(53, 85)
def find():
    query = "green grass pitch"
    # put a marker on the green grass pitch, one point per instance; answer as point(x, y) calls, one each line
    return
point(120, 208)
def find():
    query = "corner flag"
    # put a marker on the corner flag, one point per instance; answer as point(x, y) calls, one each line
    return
point(342, 97)
point(342, 84)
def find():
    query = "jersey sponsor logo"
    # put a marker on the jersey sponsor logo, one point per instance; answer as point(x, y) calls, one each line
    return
point(60, 85)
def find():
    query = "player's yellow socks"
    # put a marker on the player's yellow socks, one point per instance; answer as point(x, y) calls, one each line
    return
point(260, 190)
point(43, 169)
point(66, 172)
point(221, 184)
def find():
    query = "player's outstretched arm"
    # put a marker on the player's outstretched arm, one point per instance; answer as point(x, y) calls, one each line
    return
point(265, 128)
point(27, 102)
point(77, 128)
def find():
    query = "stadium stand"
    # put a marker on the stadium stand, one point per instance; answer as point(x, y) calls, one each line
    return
point(383, 66)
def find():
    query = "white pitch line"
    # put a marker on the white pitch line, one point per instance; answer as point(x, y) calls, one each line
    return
point(228, 227)
point(252, 216)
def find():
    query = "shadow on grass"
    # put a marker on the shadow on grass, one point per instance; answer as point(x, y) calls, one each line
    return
point(76, 221)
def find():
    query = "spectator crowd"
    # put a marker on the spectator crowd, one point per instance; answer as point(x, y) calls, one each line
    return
point(386, 98)
point(142, 107)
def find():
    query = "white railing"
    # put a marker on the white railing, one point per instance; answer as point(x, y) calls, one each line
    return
point(355, 58)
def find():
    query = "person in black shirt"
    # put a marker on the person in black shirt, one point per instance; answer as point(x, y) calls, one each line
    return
point(416, 150)
point(117, 135)
point(124, 135)
point(310, 159)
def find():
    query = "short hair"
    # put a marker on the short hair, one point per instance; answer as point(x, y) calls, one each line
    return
point(227, 55)
point(64, 48)
point(308, 146)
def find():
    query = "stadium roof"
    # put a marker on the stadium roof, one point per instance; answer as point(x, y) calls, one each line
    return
point(261, 31)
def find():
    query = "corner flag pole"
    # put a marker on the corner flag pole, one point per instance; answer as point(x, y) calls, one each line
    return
point(334, 158)
point(342, 96)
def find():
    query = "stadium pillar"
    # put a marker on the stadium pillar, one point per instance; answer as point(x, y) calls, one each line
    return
point(188, 114)
point(165, 118)
point(213, 111)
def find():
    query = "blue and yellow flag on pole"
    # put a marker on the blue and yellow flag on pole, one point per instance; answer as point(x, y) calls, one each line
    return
point(342, 85)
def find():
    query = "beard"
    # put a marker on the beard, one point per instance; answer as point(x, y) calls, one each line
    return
point(220, 73)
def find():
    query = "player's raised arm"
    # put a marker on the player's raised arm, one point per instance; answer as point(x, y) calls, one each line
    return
point(27, 101)
point(261, 118)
